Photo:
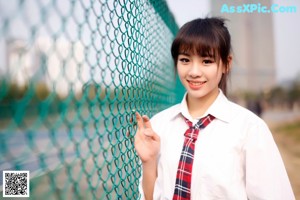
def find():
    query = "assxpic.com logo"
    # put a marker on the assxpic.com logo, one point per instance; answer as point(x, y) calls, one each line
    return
point(258, 8)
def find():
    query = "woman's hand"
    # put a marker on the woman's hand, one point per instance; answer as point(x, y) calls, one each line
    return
point(147, 142)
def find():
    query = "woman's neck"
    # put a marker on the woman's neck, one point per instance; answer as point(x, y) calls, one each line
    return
point(198, 106)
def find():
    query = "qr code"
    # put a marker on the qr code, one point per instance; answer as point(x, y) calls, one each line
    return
point(15, 183)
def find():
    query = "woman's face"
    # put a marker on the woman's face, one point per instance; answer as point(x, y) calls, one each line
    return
point(199, 75)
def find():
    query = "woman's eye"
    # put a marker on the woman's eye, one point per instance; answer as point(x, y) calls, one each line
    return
point(207, 61)
point(184, 60)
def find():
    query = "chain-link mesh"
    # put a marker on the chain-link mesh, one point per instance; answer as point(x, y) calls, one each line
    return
point(71, 74)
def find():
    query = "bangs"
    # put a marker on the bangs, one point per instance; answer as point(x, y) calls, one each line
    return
point(203, 45)
point(202, 38)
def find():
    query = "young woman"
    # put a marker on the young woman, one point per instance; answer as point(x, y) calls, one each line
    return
point(208, 147)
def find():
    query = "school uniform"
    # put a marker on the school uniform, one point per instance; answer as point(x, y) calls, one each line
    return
point(235, 156)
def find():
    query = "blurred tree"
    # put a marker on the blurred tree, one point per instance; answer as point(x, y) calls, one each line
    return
point(294, 94)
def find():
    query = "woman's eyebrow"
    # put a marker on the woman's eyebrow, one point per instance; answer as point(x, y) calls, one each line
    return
point(184, 53)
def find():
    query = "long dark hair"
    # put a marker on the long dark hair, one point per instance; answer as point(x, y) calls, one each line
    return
point(208, 37)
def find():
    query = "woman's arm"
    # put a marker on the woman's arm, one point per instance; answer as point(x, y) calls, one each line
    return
point(266, 176)
point(149, 177)
point(147, 145)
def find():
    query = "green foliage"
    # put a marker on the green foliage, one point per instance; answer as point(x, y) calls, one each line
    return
point(294, 92)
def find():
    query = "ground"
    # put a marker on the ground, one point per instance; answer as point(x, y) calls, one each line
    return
point(290, 152)
point(288, 144)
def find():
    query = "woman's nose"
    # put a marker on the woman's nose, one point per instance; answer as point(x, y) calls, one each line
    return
point(195, 70)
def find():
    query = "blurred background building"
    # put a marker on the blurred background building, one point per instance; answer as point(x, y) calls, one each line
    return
point(38, 62)
point(253, 46)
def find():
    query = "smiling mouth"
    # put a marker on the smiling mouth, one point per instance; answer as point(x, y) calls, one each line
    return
point(198, 83)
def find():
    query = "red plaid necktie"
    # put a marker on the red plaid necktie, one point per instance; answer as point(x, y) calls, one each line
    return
point(184, 172)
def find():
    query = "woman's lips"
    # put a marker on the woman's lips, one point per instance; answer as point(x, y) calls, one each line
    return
point(196, 84)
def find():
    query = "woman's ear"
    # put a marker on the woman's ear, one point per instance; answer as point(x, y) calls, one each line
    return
point(230, 58)
point(227, 68)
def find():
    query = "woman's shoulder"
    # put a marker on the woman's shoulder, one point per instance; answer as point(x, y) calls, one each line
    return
point(243, 113)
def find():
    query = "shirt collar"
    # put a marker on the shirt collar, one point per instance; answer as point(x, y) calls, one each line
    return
point(220, 108)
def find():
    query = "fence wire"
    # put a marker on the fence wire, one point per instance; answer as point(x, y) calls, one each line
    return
point(71, 74)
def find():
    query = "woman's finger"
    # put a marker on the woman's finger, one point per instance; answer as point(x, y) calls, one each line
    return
point(147, 122)
point(139, 120)
point(150, 133)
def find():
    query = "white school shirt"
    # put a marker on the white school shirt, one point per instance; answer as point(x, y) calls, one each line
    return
point(235, 156)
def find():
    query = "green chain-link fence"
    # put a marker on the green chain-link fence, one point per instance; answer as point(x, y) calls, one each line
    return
point(71, 72)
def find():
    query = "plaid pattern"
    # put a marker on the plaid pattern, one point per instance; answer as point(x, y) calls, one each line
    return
point(184, 172)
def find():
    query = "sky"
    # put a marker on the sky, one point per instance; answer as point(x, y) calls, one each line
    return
point(286, 32)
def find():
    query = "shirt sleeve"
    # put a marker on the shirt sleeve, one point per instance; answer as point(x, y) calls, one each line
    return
point(266, 176)
point(141, 191)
